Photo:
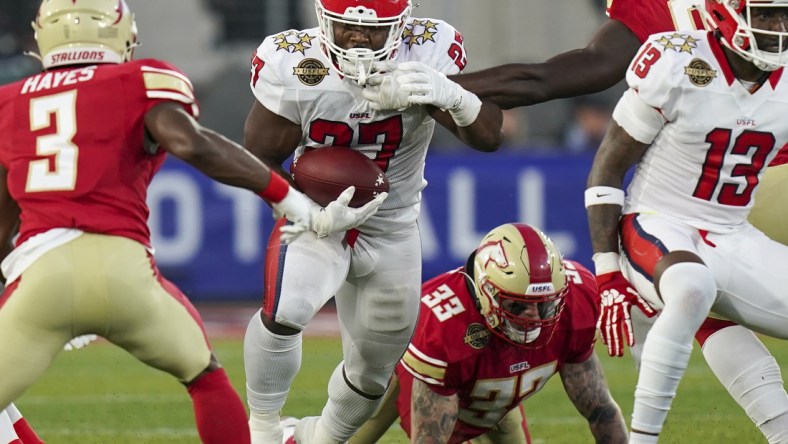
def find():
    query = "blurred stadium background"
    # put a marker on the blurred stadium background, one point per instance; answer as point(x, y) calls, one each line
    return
point(210, 239)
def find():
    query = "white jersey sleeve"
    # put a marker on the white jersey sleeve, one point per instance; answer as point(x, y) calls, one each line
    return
point(267, 81)
point(652, 78)
point(435, 43)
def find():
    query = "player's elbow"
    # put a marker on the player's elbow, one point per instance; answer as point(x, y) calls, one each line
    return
point(193, 148)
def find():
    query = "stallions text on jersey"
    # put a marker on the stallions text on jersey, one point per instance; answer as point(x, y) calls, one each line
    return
point(454, 353)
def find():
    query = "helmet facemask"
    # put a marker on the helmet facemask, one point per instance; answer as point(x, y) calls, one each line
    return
point(734, 20)
point(356, 63)
point(520, 284)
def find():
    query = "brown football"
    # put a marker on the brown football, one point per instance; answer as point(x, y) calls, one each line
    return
point(323, 173)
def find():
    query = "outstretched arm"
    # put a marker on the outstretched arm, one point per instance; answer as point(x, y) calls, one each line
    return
point(210, 152)
point(594, 68)
point(227, 162)
point(587, 389)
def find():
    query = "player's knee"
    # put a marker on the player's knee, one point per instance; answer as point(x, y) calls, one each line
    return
point(390, 310)
point(370, 378)
point(690, 284)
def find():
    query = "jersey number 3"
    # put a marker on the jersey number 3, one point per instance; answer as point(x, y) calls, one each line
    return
point(60, 173)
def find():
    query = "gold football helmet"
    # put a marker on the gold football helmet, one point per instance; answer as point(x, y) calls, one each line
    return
point(516, 269)
point(70, 32)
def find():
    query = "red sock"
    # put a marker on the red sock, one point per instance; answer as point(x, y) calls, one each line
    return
point(26, 433)
point(219, 412)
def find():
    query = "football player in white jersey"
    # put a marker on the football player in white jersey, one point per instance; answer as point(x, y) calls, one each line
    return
point(702, 118)
point(308, 85)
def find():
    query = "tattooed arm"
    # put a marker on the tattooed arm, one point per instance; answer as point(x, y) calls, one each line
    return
point(432, 416)
point(587, 389)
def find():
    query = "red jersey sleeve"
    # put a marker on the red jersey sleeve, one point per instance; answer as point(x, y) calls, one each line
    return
point(646, 17)
point(163, 82)
point(583, 310)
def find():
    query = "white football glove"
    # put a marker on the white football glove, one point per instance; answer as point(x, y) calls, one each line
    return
point(297, 208)
point(337, 216)
point(427, 86)
point(382, 88)
point(79, 342)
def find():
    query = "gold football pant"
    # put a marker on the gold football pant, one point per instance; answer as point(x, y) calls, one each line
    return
point(106, 285)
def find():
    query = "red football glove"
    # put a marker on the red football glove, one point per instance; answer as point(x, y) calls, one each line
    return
point(617, 297)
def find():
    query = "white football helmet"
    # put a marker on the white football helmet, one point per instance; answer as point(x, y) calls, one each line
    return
point(733, 20)
point(516, 265)
point(70, 32)
point(356, 63)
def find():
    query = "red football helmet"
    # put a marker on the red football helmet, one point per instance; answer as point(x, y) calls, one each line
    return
point(516, 266)
point(733, 20)
point(355, 63)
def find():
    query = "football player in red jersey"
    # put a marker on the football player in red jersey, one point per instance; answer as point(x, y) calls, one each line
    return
point(81, 143)
point(751, 374)
point(491, 334)
point(308, 85)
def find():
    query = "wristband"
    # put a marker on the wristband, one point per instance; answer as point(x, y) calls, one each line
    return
point(276, 190)
point(606, 262)
point(467, 110)
point(604, 195)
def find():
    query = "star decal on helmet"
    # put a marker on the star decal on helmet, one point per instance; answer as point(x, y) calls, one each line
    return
point(678, 42)
point(293, 41)
point(418, 32)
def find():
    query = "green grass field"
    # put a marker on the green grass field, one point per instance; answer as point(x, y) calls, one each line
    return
point(101, 395)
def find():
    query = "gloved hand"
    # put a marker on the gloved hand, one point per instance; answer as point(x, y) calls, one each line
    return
point(427, 86)
point(617, 298)
point(383, 90)
point(79, 342)
point(337, 216)
point(297, 208)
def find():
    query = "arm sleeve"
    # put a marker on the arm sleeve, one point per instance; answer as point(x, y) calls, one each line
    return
point(164, 82)
point(267, 85)
point(650, 101)
point(448, 54)
point(584, 311)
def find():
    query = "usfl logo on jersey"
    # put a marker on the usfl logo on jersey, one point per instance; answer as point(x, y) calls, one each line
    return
point(477, 336)
point(700, 72)
point(310, 71)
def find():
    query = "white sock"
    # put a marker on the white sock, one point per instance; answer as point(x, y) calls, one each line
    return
point(641, 438)
point(271, 362)
point(346, 410)
point(688, 290)
point(751, 375)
